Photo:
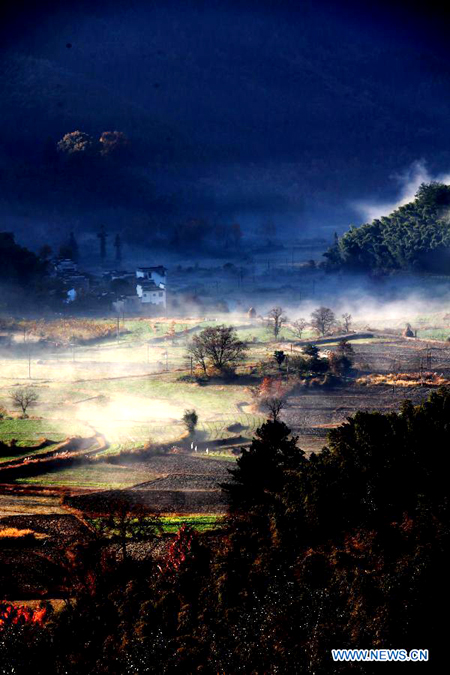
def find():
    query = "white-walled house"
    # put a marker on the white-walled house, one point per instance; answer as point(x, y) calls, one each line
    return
point(156, 274)
point(150, 293)
point(150, 298)
point(151, 285)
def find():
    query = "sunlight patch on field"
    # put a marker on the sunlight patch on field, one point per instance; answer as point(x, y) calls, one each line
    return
point(101, 476)
point(17, 505)
point(171, 524)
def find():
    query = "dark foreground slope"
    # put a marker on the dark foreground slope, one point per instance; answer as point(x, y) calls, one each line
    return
point(346, 548)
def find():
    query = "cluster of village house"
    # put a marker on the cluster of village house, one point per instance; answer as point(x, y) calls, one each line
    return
point(146, 286)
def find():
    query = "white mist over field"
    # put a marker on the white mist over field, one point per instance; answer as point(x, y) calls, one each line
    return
point(368, 311)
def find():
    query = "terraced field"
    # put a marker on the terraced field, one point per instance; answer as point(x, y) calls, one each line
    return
point(130, 391)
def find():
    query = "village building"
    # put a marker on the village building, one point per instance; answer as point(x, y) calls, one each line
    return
point(156, 274)
point(151, 285)
point(80, 282)
point(150, 293)
point(64, 266)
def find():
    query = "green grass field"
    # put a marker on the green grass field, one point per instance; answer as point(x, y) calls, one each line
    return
point(30, 430)
point(112, 387)
point(101, 476)
point(172, 524)
point(433, 334)
point(29, 453)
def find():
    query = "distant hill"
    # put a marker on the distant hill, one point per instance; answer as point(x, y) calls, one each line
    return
point(414, 237)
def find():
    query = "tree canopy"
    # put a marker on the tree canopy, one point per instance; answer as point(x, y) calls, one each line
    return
point(217, 347)
point(18, 265)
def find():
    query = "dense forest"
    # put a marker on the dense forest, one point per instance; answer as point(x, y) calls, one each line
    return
point(415, 237)
point(22, 273)
point(18, 265)
point(348, 548)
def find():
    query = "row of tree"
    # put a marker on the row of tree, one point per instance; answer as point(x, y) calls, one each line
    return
point(218, 349)
point(323, 320)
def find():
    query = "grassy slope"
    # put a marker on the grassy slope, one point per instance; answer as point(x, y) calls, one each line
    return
point(92, 476)
point(156, 401)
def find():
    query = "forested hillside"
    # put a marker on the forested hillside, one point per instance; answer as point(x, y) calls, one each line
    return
point(415, 237)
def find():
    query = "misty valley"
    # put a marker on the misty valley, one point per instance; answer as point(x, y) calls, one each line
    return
point(224, 337)
point(125, 434)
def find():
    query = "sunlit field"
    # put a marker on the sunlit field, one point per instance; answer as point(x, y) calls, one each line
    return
point(128, 387)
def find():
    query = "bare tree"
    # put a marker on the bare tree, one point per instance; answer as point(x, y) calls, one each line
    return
point(218, 347)
point(347, 321)
point(395, 369)
point(274, 405)
point(125, 523)
point(197, 352)
point(270, 395)
point(276, 320)
point(322, 319)
point(23, 398)
point(299, 326)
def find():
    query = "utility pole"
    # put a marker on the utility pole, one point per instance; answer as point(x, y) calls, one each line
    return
point(118, 247)
point(118, 327)
point(102, 238)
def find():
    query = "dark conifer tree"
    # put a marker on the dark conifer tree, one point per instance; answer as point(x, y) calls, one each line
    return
point(260, 469)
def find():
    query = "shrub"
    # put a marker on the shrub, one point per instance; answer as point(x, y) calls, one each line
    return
point(190, 419)
point(339, 364)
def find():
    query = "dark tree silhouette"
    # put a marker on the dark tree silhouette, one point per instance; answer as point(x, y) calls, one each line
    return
point(190, 419)
point(260, 469)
